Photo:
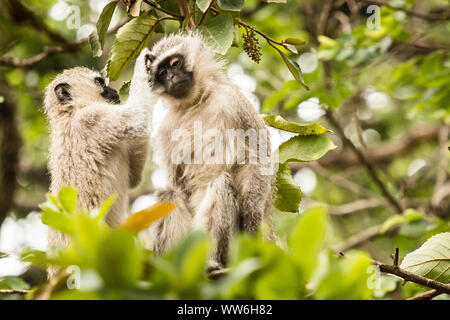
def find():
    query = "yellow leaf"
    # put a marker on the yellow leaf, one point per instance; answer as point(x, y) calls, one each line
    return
point(144, 218)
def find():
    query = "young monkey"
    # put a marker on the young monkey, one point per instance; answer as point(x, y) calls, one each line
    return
point(213, 189)
point(97, 146)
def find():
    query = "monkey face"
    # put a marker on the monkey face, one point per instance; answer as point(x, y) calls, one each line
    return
point(171, 74)
point(76, 88)
point(108, 93)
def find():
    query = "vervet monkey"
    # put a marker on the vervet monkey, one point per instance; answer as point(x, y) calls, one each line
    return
point(97, 146)
point(212, 192)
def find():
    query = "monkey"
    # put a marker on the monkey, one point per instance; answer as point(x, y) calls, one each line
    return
point(97, 145)
point(224, 192)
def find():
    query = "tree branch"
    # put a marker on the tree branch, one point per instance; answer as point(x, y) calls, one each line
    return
point(386, 151)
point(430, 16)
point(49, 51)
point(10, 143)
point(357, 205)
point(408, 276)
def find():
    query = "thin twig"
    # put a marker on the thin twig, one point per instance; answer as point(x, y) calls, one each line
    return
point(366, 163)
point(173, 14)
point(185, 11)
point(428, 295)
point(13, 291)
point(206, 12)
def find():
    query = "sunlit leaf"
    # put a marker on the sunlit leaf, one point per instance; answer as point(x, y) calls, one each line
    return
point(308, 238)
point(103, 22)
point(432, 259)
point(144, 218)
point(305, 148)
point(120, 259)
point(294, 41)
point(203, 4)
point(103, 210)
point(295, 70)
point(58, 221)
point(279, 122)
point(129, 42)
point(288, 195)
point(218, 32)
point(135, 9)
point(67, 197)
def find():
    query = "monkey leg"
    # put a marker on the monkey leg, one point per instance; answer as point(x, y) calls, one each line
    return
point(170, 229)
point(218, 214)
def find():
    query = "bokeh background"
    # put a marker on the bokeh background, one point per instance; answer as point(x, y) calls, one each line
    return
point(379, 78)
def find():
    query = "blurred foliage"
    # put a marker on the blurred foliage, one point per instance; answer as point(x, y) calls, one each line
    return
point(123, 269)
point(405, 58)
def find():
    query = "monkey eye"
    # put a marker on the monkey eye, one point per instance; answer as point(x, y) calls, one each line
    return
point(162, 72)
point(100, 81)
point(175, 62)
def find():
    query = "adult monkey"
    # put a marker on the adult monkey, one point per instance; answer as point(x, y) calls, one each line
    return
point(97, 146)
point(223, 187)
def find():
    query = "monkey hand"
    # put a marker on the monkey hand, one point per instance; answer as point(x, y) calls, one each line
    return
point(139, 84)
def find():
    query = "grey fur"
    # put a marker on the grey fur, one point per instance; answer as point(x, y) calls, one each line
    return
point(221, 198)
point(97, 147)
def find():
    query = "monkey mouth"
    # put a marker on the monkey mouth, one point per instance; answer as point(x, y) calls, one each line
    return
point(115, 101)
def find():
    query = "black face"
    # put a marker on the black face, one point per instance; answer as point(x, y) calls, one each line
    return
point(172, 75)
point(108, 93)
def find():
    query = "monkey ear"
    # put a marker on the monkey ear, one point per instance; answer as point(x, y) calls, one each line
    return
point(149, 59)
point(62, 92)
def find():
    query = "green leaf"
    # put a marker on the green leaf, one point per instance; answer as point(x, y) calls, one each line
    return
point(203, 4)
point(129, 42)
point(288, 194)
point(396, 220)
point(346, 278)
point(305, 148)
point(290, 47)
point(218, 32)
point(432, 259)
point(279, 122)
point(16, 283)
point(103, 22)
point(308, 238)
point(67, 197)
point(125, 88)
point(294, 41)
point(135, 9)
point(231, 5)
point(120, 259)
point(95, 44)
point(295, 70)
point(57, 220)
point(103, 210)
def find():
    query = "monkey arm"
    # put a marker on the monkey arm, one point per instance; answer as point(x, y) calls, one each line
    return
point(255, 193)
point(137, 156)
point(108, 125)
